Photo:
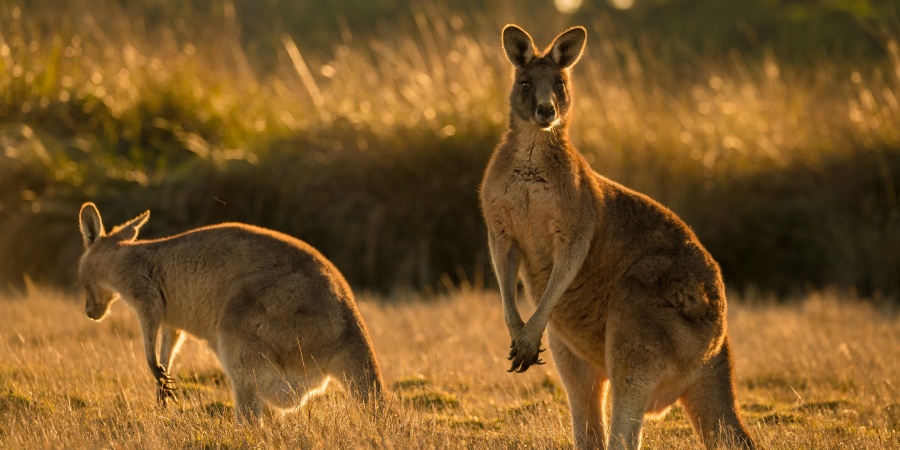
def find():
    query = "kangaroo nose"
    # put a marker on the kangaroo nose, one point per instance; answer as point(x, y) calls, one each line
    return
point(545, 113)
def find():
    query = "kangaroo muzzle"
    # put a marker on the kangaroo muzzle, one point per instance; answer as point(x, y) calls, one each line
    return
point(95, 312)
point(545, 114)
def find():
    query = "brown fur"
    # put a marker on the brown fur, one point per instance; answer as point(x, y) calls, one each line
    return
point(279, 316)
point(633, 302)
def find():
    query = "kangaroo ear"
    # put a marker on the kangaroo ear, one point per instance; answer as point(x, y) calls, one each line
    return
point(518, 45)
point(567, 48)
point(128, 231)
point(90, 223)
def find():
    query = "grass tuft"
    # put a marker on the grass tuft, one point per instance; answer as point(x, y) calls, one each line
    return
point(411, 382)
point(13, 399)
point(219, 410)
point(433, 400)
point(781, 419)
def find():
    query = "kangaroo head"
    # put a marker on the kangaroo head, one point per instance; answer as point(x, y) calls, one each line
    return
point(540, 93)
point(97, 263)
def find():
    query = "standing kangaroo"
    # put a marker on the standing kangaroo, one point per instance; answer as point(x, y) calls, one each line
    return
point(279, 316)
point(633, 302)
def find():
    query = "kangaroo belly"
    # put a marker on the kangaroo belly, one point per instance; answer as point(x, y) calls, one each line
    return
point(580, 319)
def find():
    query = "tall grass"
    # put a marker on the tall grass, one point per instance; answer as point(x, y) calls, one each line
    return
point(372, 148)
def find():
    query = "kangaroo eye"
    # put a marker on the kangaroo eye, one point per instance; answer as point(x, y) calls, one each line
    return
point(525, 85)
point(560, 87)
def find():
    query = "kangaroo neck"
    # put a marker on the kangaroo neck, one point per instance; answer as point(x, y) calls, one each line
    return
point(533, 143)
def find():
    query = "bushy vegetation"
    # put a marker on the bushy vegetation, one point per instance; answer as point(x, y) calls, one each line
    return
point(370, 145)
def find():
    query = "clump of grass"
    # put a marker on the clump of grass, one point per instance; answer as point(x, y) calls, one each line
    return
point(433, 400)
point(781, 419)
point(13, 399)
point(831, 405)
point(471, 423)
point(412, 382)
point(214, 378)
point(76, 402)
point(528, 408)
point(219, 409)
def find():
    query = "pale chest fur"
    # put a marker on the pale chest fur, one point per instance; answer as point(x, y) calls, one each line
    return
point(541, 203)
point(529, 205)
point(529, 195)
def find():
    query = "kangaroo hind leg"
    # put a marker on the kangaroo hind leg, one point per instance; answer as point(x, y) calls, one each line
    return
point(711, 404)
point(630, 391)
point(246, 365)
point(585, 389)
point(287, 392)
point(356, 367)
point(637, 360)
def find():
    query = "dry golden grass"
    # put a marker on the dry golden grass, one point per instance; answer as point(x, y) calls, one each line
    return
point(821, 372)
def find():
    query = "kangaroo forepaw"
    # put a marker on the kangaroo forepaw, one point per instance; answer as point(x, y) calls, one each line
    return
point(525, 353)
point(165, 389)
point(164, 393)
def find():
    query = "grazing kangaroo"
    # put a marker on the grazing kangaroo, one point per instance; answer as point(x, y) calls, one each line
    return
point(633, 303)
point(279, 316)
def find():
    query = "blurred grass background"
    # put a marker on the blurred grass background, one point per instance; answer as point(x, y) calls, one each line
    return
point(363, 127)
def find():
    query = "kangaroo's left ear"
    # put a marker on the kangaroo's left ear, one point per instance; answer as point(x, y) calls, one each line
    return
point(90, 223)
point(518, 45)
point(568, 47)
point(128, 231)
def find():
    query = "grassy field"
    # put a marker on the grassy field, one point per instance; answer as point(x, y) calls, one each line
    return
point(819, 372)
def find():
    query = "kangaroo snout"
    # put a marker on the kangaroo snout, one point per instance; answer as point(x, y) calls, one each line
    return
point(545, 114)
point(95, 312)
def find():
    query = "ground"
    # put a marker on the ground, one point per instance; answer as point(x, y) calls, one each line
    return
point(817, 372)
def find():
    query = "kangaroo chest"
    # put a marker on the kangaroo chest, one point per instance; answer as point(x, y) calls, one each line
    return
point(529, 205)
point(532, 202)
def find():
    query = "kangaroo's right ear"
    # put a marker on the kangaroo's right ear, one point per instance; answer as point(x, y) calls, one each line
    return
point(568, 47)
point(128, 231)
point(518, 45)
point(90, 223)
